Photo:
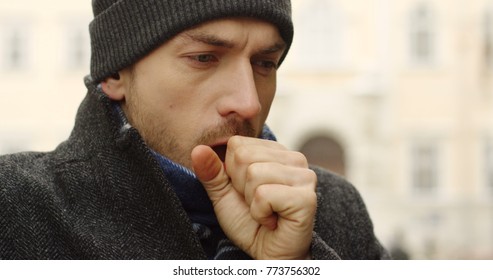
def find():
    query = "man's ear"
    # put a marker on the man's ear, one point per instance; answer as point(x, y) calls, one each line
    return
point(114, 87)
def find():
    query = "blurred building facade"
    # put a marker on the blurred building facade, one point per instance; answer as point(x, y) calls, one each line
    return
point(395, 95)
point(44, 55)
point(398, 97)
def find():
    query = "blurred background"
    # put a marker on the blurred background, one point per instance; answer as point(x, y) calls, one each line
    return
point(395, 95)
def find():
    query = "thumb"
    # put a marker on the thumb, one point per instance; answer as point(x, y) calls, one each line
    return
point(211, 172)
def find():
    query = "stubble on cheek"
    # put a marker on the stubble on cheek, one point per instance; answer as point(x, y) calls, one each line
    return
point(160, 139)
point(154, 130)
point(159, 136)
point(178, 148)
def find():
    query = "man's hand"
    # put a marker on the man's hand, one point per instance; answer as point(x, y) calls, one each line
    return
point(263, 195)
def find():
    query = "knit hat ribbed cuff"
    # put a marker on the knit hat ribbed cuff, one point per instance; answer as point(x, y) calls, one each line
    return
point(123, 31)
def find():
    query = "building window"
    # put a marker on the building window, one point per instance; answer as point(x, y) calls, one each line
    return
point(488, 37)
point(424, 168)
point(422, 35)
point(15, 47)
point(321, 36)
point(77, 46)
point(488, 165)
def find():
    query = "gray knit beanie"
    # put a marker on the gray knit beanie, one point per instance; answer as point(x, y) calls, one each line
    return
point(123, 31)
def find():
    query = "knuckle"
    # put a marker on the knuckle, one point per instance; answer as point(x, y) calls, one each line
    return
point(261, 192)
point(234, 141)
point(308, 177)
point(308, 199)
point(312, 176)
point(299, 159)
point(312, 197)
point(251, 172)
point(242, 155)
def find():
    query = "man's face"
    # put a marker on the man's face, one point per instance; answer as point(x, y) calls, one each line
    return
point(203, 86)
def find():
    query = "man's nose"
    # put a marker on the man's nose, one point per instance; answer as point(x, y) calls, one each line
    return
point(240, 92)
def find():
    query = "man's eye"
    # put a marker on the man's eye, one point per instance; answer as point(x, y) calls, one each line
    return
point(204, 58)
point(265, 67)
point(266, 64)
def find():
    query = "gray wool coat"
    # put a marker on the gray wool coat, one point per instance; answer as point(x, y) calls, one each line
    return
point(102, 195)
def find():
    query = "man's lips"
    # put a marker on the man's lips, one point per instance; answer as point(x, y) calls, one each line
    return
point(220, 150)
point(219, 147)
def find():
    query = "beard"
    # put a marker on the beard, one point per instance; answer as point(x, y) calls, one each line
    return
point(168, 142)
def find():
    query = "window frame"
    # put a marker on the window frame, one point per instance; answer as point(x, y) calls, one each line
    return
point(425, 168)
point(423, 47)
point(20, 32)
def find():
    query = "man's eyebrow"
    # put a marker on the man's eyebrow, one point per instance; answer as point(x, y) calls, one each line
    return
point(277, 47)
point(213, 40)
point(209, 39)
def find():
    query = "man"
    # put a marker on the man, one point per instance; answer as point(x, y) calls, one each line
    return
point(170, 157)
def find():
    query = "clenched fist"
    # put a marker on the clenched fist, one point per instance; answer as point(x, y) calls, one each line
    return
point(263, 196)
